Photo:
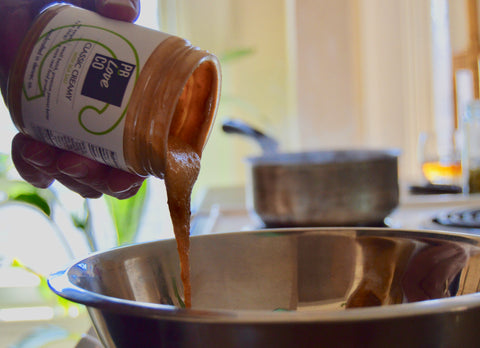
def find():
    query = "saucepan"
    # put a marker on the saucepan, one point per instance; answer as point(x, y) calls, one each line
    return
point(345, 187)
point(301, 287)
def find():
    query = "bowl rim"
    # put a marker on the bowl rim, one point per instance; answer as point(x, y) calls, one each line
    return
point(60, 284)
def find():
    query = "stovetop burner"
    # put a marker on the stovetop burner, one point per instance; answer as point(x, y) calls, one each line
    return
point(464, 218)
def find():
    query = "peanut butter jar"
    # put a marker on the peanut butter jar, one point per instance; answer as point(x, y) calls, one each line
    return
point(112, 91)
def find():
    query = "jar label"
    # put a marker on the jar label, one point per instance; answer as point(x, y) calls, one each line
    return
point(79, 79)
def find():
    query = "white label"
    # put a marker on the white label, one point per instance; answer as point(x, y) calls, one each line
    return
point(79, 80)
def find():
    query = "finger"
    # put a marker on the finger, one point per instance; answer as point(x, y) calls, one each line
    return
point(36, 162)
point(14, 23)
point(23, 144)
point(86, 191)
point(122, 184)
point(45, 162)
point(125, 10)
point(105, 179)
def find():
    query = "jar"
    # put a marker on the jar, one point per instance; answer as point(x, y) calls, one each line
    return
point(112, 91)
point(471, 148)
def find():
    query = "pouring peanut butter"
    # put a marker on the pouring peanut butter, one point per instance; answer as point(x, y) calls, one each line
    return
point(183, 166)
point(138, 100)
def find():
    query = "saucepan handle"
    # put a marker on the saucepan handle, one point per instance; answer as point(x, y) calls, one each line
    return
point(234, 126)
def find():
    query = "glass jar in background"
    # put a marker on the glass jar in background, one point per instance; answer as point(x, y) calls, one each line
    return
point(471, 148)
point(440, 163)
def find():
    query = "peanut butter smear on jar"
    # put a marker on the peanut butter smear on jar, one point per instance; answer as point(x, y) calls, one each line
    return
point(183, 166)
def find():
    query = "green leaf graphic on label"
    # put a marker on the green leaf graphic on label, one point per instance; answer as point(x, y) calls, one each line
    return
point(106, 78)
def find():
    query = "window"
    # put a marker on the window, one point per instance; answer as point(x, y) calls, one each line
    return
point(322, 74)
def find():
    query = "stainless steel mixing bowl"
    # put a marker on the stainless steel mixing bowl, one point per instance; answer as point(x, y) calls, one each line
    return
point(315, 287)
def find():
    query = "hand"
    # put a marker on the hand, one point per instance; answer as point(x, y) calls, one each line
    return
point(41, 164)
point(17, 15)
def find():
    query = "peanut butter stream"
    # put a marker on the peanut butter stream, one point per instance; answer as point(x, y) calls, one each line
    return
point(183, 166)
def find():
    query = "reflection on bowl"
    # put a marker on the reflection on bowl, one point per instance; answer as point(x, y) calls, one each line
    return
point(322, 287)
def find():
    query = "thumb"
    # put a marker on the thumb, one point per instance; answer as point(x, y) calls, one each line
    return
point(125, 10)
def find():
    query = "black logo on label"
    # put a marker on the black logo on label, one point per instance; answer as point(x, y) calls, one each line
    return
point(107, 78)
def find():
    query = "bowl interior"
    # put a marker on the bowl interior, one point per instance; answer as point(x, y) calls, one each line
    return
point(320, 269)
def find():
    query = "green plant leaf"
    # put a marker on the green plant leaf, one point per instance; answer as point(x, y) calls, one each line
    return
point(83, 221)
point(22, 192)
point(5, 164)
point(127, 213)
point(45, 290)
point(33, 199)
point(232, 55)
point(14, 187)
point(79, 221)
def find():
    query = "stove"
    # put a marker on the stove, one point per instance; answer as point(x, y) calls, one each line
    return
point(444, 212)
point(463, 218)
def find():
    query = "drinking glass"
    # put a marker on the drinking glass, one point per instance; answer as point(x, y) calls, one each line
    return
point(440, 163)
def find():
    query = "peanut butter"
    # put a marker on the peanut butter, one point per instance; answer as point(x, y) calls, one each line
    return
point(183, 166)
